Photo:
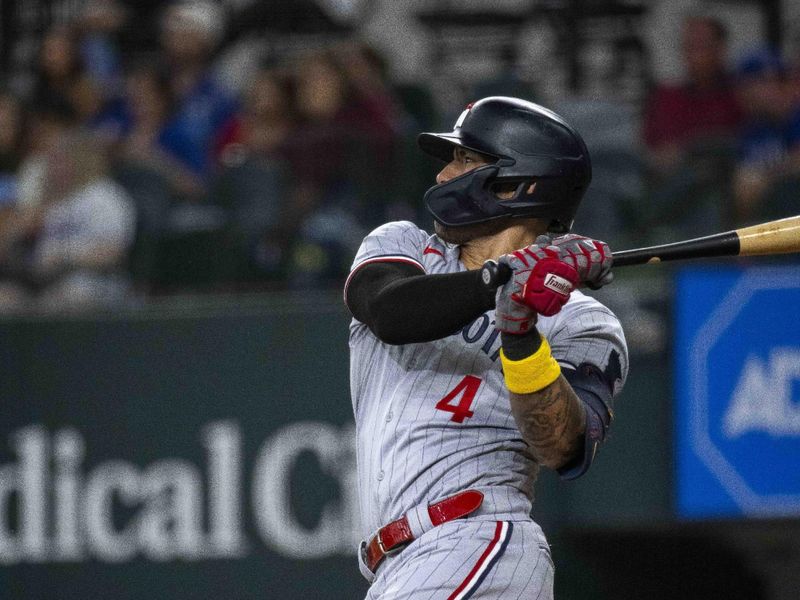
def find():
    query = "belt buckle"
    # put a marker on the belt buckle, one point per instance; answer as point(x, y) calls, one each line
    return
point(387, 551)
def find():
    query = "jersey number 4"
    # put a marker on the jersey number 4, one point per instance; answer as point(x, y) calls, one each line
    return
point(459, 400)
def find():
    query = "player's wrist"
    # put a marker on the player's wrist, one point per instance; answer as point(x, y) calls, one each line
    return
point(518, 346)
point(530, 373)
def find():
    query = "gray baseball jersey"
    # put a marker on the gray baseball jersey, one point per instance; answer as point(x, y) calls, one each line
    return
point(434, 418)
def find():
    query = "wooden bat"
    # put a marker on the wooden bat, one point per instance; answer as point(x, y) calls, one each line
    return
point(774, 237)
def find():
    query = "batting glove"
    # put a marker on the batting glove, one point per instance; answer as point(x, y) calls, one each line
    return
point(591, 258)
point(540, 284)
point(511, 314)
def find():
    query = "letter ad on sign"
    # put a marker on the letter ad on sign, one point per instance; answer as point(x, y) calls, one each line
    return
point(737, 385)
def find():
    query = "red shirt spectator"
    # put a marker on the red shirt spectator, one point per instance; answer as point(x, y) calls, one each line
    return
point(682, 114)
point(702, 107)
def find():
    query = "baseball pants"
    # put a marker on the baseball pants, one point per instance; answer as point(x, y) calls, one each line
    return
point(470, 558)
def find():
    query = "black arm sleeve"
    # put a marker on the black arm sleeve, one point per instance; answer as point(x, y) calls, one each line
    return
point(401, 305)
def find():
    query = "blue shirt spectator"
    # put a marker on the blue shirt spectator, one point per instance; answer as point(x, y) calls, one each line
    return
point(198, 119)
point(765, 143)
point(769, 139)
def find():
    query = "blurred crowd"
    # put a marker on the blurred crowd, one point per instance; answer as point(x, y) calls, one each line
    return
point(723, 144)
point(123, 175)
point(143, 173)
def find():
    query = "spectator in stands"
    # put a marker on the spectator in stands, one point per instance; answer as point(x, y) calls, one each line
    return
point(769, 142)
point(78, 237)
point(11, 129)
point(98, 25)
point(700, 110)
point(98, 92)
point(374, 106)
point(253, 184)
point(11, 148)
point(321, 100)
point(263, 125)
point(90, 102)
point(47, 123)
point(58, 67)
point(151, 136)
point(386, 127)
point(794, 71)
point(329, 153)
point(347, 124)
point(190, 31)
point(690, 131)
point(62, 79)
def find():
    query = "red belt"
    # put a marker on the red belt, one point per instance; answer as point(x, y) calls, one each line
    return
point(390, 538)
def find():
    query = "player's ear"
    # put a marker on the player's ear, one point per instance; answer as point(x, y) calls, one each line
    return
point(511, 190)
point(507, 190)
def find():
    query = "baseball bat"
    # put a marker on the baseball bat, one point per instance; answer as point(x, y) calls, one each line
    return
point(774, 237)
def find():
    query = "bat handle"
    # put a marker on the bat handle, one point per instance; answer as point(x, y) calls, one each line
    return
point(504, 274)
point(638, 256)
point(718, 244)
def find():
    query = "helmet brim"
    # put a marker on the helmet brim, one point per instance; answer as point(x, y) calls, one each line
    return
point(440, 145)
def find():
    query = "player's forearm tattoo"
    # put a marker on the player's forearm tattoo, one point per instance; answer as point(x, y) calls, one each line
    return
point(552, 421)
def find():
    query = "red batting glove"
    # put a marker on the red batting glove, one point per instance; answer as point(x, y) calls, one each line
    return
point(540, 280)
point(549, 285)
point(591, 258)
point(511, 314)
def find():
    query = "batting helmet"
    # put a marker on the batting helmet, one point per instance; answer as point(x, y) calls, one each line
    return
point(530, 145)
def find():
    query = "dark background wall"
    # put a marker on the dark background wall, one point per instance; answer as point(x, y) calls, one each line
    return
point(205, 452)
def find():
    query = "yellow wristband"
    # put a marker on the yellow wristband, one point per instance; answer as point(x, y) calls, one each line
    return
point(532, 373)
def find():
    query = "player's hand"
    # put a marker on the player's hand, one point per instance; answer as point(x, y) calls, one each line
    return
point(591, 258)
point(540, 284)
point(511, 314)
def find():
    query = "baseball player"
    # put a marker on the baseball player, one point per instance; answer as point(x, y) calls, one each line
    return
point(475, 360)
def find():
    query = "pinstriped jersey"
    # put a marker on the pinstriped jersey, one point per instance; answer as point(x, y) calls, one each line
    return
point(434, 418)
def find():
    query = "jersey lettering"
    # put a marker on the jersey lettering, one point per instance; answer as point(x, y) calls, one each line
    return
point(483, 325)
point(467, 388)
point(475, 331)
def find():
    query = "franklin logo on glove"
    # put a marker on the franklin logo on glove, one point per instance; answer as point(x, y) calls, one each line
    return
point(558, 284)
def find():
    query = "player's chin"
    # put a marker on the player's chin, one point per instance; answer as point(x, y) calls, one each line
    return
point(467, 233)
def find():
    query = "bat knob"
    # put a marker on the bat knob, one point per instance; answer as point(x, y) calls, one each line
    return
point(493, 275)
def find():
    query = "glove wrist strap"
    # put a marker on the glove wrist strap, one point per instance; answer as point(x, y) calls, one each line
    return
point(532, 373)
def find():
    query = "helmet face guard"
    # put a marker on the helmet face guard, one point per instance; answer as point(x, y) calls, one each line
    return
point(466, 199)
point(535, 151)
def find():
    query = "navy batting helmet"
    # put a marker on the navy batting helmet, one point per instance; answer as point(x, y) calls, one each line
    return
point(530, 145)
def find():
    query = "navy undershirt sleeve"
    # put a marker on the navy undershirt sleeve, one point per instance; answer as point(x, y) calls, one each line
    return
point(595, 391)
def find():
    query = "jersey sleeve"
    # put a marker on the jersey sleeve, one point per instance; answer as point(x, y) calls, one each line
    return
point(592, 334)
point(399, 241)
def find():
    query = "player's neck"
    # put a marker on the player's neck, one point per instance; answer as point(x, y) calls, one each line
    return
point(476, 252)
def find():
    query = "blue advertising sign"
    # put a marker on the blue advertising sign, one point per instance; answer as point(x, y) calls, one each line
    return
point(737, 383)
